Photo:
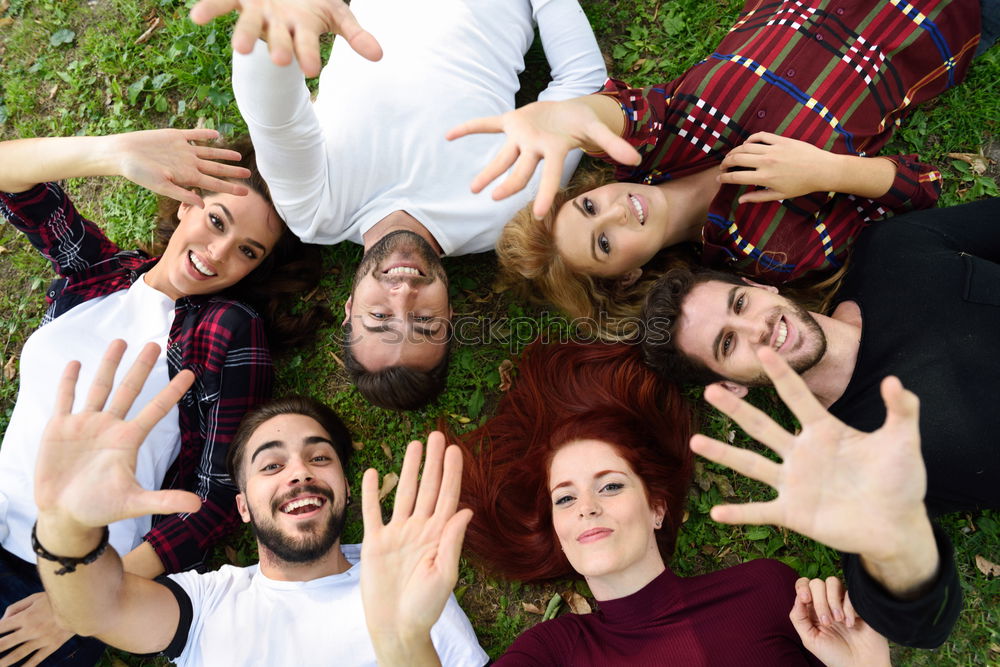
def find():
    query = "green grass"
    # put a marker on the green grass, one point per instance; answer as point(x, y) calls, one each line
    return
point(73, 67)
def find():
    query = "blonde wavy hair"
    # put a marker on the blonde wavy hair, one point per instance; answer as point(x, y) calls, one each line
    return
point(532, 268)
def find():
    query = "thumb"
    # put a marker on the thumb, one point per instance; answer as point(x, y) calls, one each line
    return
point(146, 502)
point(802, 620)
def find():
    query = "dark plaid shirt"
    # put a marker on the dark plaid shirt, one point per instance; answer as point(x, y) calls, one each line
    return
point(839, 74)
point(222, 341)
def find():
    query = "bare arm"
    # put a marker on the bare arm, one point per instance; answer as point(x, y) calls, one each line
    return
point(85, 480)
point(161, 160)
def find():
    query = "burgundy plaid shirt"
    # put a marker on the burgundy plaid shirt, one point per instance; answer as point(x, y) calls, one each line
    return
point(222, 341)
point(839, 74)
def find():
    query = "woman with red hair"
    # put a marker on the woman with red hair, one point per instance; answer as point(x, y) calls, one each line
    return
point(584, 471)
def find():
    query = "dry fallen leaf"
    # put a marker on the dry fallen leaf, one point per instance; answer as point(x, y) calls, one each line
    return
point(53, 91)
point(576, 602)
point(387, 451)
point(531, 608)
point(10, 368)
point(358, 446)
point(687, 515)
point(340, 362)
point(389, 483)
point(3, 250)
point(505, 368)
point(4, 5)
point(6, 21)
point(231, 555)
point(986, 567)
point(977, 161)
point(724, 485)
point(153, 26)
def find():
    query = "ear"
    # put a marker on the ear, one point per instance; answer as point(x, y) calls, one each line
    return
point(629, 278)
point(735, 387)
point(347, 310)
point(659, 512)
point(770, 288)
point(183, 209)
point(241, 507)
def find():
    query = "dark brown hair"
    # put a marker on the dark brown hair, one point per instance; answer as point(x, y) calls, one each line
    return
point(566, 392)
point(292, 268)
point(340, 436)
point(396, 387)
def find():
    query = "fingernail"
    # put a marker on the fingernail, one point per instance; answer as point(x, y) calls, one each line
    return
point(824, 619)
point(838, 615)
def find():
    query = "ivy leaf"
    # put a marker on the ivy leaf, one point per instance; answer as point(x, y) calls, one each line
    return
point(62, 36)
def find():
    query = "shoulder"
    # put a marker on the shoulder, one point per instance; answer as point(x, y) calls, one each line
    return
point(547, 643)
point(761, 583)
point(202, 588)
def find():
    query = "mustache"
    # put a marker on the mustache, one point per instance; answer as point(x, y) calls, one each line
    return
point(305, 489)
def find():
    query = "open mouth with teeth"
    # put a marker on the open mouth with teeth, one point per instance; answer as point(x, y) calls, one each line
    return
point(403, 270)
point(300, 506)
point(782, 334)
point(640, 213)
point(198, 266)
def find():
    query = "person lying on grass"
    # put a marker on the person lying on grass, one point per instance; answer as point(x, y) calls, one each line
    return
point(301, 605)
point(215, 294)
point(762, 153)
point(367, 162)
point(598, 493)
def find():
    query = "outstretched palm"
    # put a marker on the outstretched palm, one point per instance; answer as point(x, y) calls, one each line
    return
point(86, 464)
point(856, 492)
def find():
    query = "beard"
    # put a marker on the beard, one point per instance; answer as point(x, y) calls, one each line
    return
point(314, 540)
point(809, 349)
point(408, 244)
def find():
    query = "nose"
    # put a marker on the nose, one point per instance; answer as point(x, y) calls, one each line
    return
point(299, 472)
point(589, 507)
point(218, 249)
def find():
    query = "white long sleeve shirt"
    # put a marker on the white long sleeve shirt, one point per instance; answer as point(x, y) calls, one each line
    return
point(373, 141)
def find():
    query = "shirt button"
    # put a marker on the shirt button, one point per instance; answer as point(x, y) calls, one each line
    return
point(790, 72)
point(819, 38)
point(761, 113)
point(840, 11)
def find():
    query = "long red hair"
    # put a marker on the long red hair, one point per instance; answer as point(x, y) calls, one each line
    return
point(566, 392)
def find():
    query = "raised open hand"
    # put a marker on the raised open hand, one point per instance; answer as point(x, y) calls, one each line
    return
point(831, 630)
point(857, 492)
point(165, 162)
point(545, 131)
point(85, 473)
point(786, 167)
point(290, 26)
point(410, 565)
point(30, 631)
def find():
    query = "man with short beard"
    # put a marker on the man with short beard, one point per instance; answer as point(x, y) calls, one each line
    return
point(369, 156)
point(301, 605)
point(920, 300)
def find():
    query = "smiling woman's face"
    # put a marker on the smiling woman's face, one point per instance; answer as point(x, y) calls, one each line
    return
point(611, 230)
point(601, 514)
point(215, 247)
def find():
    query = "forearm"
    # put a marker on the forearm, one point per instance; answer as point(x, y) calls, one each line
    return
point(869, 177)
point(143, 561)
point(26, 162)
point(571, 50)
point(404, 649)
point(89, 598)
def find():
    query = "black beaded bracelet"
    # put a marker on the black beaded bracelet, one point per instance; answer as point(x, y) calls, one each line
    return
point(68, 563)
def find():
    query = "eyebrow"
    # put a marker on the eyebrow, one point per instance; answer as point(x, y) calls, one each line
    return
point(229, 218)
point(596, 476)
point(272, 444)
point(729, 306)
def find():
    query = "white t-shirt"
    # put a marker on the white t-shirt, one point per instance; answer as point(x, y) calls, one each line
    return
point(138, 315)
point(373, 141)
point(240, 617)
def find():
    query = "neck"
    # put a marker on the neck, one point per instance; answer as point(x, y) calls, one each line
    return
point(333, 562)
point(156, 278)
point(828, 379)
point(688, 202)
point(622, 584)
point(396, 221)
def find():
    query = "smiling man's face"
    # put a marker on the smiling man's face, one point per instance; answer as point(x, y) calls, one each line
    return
point(723, 325)
point(399, 310)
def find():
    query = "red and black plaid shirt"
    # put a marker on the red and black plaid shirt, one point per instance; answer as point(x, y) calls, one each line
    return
point(839, 74)
point(222, 341)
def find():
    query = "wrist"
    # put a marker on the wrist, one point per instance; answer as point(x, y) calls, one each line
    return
point(61, 535)
point(909, 564)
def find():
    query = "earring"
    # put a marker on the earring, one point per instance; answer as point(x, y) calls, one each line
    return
point(347, 502)
point(659, 523)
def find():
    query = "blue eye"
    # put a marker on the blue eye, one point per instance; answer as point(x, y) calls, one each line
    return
point(562, 500)
point(379, 316)
point(613, 486)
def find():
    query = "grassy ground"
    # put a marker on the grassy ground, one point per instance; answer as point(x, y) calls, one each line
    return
point(90, 67)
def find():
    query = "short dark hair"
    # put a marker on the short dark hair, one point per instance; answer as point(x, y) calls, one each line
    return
point(661, 314)
point(340, 436)
point(397, 387)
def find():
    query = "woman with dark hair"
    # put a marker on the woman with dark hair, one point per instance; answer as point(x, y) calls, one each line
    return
point(700, 159)
point(584, 472)
point(212, 298)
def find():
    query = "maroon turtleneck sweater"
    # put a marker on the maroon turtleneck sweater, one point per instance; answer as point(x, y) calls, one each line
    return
point(736, 616)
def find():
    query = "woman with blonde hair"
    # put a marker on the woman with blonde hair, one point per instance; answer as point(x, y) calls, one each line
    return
point(760, 153)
